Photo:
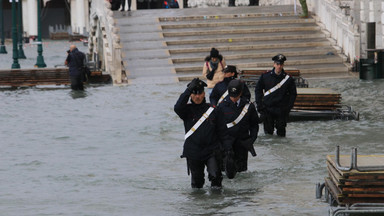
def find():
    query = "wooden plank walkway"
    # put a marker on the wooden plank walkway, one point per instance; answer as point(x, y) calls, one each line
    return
point(43, 76)
point(348, 187)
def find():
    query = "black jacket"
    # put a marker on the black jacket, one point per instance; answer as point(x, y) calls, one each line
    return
point(247, 128)
point(281, 101)
point(221, 87)
point(75, 60)
point(204, 141)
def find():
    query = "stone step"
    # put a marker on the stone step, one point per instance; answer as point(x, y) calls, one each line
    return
point(251, 47)
point(248, 38)
point(225, 16)
point(253, 43)
point(230, 19)
point(262, 54)
point(240, 31)
point(272, 51)
point(312, 72)
point(236, 23)
point(311, 76)
point(249, 63)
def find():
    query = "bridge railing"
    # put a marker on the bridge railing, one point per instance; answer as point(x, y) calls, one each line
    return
point(341, 27)
point(339, 24)
point(104, 40)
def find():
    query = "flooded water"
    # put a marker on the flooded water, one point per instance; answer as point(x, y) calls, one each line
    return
point(115, 151)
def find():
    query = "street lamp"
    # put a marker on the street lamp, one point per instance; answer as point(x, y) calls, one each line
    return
point(15, 64)
point(2, 46)
point(40, 58)
point(20, 11)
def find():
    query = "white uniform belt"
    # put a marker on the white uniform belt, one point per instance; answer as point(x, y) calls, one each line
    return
point(222, 97)
point(238, 119)
point(281, 83)
point(198, 123)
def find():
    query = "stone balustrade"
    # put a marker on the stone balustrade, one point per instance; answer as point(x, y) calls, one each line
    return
point(104, 40)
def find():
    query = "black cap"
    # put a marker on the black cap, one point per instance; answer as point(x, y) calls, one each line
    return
point(214, 53)
point(199, 88)
point(230, 69)
point(235, 87)
point(280, 58)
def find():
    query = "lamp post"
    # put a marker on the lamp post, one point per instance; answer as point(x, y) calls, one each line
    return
point(40, 58)
point(2, 46)
point(15, 64)
point(20, 30)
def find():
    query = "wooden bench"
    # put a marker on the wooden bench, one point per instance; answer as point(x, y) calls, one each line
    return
point(251, 76)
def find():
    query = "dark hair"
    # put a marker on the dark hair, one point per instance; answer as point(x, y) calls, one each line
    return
point(208, 58)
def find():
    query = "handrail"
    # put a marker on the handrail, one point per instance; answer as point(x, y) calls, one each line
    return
point(342, 28)
point(102, 20)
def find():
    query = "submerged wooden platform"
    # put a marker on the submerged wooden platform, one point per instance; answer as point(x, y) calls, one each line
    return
point(317, 99)
point(349, 187)
point(43, 76)
point(251, 75)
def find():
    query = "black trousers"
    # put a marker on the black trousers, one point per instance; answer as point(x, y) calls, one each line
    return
point(197, 172)
point(77, 82)
point(271, 122)
point(123, 4)
point(253, 2)
point(240, 157)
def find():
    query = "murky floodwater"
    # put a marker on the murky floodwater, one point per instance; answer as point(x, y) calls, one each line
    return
point(115, 151)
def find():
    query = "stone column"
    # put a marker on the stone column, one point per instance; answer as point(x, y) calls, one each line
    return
point(30, 20)
point(134, 5)
point(382, 24)
point(80, 15)
point(364, 18)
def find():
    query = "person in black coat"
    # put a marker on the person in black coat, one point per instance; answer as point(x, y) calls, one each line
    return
point(240, 121)
point(201, 145)
point(75, 61)
point(275, 94)
point(230, 73)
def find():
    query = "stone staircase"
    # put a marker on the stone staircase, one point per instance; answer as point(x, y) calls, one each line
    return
point(174, 43)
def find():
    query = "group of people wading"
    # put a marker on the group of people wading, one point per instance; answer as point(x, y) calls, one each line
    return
point(219, 134)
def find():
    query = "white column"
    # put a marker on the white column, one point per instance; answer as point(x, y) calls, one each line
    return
point(73, 16)
point(80, 15)
point(30, 20)
point(382, 23)
point(86, 15)
point(134, 5)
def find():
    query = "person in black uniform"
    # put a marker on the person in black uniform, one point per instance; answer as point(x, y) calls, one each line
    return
point(275, 94)
point(75, 61)
point(201, 145)
point(219, 92)
point(239, 118)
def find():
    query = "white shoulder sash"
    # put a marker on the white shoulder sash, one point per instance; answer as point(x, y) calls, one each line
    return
point(238, 119)
point(222, 97)
point(281, 83)
point(198, 123)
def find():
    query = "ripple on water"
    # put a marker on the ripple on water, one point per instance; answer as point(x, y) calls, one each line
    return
point(113, 150)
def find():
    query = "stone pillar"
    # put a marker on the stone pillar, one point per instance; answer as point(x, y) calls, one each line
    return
point(364, 18)
point(80, 16)
point(134, 5)
point(86, 15)
point(382, 24)
point(30, 20)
